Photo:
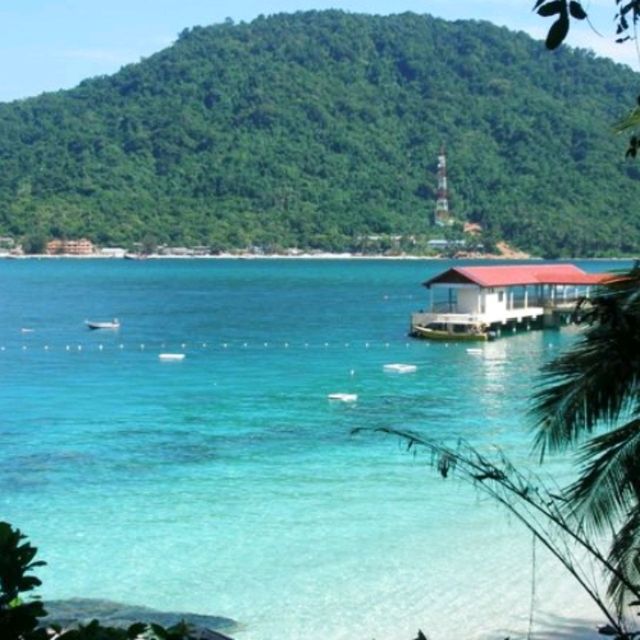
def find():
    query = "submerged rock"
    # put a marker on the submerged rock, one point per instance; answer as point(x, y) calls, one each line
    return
point(69, 613)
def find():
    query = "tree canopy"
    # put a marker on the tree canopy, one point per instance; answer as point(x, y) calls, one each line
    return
point(321, 130)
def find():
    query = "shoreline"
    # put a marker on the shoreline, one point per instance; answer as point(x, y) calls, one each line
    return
point(311, 256)
point(228, 256)
point(506, 257)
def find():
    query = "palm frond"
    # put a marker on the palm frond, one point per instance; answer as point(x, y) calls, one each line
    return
point(609, 484)
point(598, 379)
point(527, 499)
point(630, 121)
point(625, 555)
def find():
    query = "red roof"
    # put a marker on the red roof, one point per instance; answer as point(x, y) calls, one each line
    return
point(517, 275)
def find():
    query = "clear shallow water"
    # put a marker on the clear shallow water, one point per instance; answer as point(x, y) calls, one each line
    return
point(227, 483)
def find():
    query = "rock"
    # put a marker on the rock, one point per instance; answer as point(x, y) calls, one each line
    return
point(70, 613)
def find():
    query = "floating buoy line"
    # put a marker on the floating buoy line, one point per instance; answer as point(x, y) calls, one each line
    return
point(170, 347)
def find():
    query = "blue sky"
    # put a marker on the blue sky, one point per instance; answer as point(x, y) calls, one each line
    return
point(46, 45)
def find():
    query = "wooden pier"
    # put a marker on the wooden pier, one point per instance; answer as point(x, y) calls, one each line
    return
point(485, 302)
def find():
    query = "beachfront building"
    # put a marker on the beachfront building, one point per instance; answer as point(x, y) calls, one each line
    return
point(478, 303)
point(112, 252)
point(82, 247)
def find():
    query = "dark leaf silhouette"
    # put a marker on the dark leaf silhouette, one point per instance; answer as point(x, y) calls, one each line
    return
point(551, 9)
point(558, 32)
point(576, 10)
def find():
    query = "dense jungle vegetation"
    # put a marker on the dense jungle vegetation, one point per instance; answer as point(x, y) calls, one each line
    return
point(319, 129)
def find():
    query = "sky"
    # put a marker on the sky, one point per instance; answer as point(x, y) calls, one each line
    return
point(47, 45)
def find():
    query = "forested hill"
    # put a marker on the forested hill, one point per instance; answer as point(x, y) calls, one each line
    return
point(318, 129)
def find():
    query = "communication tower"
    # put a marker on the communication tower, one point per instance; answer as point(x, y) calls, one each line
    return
point(442, 216)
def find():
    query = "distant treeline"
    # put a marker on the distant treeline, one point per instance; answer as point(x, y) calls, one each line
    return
point(320, 130)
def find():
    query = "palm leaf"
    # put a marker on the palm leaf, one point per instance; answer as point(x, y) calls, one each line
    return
point(599, 378)
point(608, 487)
point(624, 555)
point(631, 121)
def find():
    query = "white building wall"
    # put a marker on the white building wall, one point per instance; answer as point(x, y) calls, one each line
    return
point(495, 307)
point(112, 252)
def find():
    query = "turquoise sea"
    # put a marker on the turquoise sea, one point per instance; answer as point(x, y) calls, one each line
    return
point(228, 484)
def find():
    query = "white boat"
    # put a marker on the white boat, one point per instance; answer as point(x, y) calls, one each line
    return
point(400, 368)
point(175, 357)
point(343, 397)
point(114, 324)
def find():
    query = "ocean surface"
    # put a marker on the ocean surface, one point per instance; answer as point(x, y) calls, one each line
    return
point(228, 484)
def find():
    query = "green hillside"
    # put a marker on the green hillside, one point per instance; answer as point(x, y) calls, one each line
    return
point(318, 129)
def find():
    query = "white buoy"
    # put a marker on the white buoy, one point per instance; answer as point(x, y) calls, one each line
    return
point(171, 357)
point(343, 397)
point(400, 368)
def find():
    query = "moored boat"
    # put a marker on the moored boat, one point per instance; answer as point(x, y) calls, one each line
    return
point(114, 324)
point(471, 333)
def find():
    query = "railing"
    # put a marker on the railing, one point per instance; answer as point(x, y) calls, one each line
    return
point(519, 303)
point(446, 313)
point(424, 319)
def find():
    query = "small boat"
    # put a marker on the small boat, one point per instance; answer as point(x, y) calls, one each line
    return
point(400, 368)
point(171, 357)
point(135, 256)
point(343, 397)
point(462, 332)
point(114, 324)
